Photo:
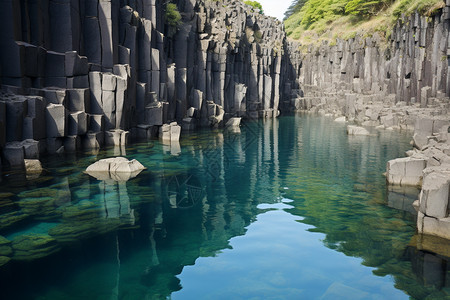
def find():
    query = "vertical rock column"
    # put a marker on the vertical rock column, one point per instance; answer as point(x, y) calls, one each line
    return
point(109, 32)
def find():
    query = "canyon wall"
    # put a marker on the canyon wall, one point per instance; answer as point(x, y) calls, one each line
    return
point(412, 67)
point(87, 73)
point(402, 83)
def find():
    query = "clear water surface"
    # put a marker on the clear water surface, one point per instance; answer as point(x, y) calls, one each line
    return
point(291, 208)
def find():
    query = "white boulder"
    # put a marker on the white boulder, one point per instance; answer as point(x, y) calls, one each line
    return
point(116, 168)
point(356, 130)
point(340, 120)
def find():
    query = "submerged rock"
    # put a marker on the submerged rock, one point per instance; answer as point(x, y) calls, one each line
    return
point(5, 247)
point(43, 208)
point(4, 260)
point(83, 211)
point(117, 169)
point(42, 203)
point(10, 219)
point(67, 232)
point(431, 243)
point(34, 246)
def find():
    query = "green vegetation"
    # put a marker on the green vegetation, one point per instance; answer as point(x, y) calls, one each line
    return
point(256, 5)
point(312, 21)
point(173, 16)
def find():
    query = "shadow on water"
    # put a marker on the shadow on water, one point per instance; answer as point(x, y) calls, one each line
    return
point(74, 237)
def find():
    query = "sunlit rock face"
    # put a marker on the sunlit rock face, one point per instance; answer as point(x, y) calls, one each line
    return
point(381, 82)
point(86, 75)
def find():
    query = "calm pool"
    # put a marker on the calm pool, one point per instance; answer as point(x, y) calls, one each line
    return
point(291, 208)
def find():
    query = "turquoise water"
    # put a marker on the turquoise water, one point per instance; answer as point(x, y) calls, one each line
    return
point(291, 208)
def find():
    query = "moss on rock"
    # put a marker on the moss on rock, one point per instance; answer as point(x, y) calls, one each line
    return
point(34, 246)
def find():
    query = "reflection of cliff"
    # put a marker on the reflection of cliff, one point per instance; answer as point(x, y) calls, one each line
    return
point(338, 194)
point(140, 232)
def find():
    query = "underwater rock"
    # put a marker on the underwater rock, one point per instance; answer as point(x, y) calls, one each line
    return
point(431, 243)
point(6, 205)
point(402, 197)
point(34, 246)
point(42, 208)
point(43, 202)
point(84, 210)
point(67, 232)
point(116, 168)
point(5, 247)
point(10, 219)
point(4, 260)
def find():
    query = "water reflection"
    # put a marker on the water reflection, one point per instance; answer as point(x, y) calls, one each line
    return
point(215, 191)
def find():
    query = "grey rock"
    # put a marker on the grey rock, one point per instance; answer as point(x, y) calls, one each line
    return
point(55, 64)
point(13, 154)
point(95, 85)
point(77, 123)
point(75, 65)
point(79, 100)
point(154, 114)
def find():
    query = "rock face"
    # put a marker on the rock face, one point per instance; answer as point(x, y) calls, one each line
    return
point(404, 84)
point(375, 83)
point(116, 168)
point(89, 73)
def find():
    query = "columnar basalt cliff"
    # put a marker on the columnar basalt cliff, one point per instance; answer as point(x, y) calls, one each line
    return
point(87, 73)
point(410, 68)
point(403, 83)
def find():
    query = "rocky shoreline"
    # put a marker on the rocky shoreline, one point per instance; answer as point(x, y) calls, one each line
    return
point(426, 166)
point(402, 84)
point(90, 74)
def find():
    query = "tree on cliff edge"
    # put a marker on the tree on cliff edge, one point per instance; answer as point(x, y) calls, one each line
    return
point(256, 5)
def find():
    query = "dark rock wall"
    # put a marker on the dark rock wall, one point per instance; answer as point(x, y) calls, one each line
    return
point(84, 73)
point(412, 67)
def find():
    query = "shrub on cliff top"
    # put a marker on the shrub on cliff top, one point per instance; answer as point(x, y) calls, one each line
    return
point(256, 5)
point(317, 20)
